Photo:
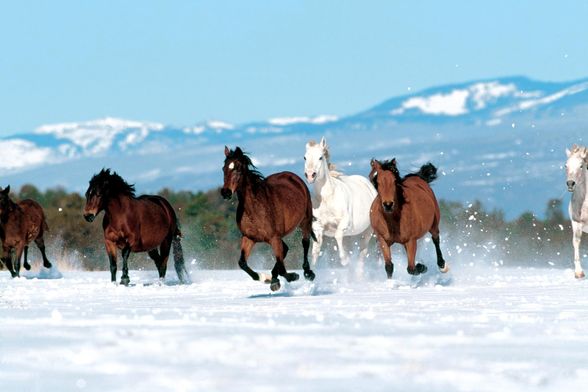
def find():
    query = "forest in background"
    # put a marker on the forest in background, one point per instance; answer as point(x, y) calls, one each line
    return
point(469, 233)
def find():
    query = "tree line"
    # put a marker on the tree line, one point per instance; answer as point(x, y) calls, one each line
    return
point(470, 234)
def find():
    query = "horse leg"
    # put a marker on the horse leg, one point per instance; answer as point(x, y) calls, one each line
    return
point(308, 274)
point(412, 269)
point(443, 267)
point(363, 246)
point(577, 230)
point(164, 250)
point(279, 268)
point(124, 279)
point(316, 247)
point(17, 256)
point(25, 263)
point(246, 247)
point(41, 245)
point(111, 251)
point(154, 254)
point(343, 255)
point(385, 247)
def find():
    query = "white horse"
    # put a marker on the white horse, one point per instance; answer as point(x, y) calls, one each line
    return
point(577, 182)
point(341, 204)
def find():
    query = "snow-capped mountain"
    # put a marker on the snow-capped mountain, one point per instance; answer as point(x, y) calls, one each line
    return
point(499, 140)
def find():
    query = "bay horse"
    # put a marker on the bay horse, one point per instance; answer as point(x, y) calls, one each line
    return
point(340, 203)
point(577, 183)
point(269, 209)
point(21, 223)
point(134, 224)
point(404, 211)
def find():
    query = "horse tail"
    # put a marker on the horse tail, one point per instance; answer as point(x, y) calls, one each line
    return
point(179, 264)
point(428, 172)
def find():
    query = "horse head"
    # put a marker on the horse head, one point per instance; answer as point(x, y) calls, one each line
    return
point(316, 164)
point(386, 178)
point(576, 165)
point(4, 200)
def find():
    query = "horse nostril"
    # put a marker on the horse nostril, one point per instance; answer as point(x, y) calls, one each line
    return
point(226, 193)
point(388, 206)
point(314, 175)
point(570, 184)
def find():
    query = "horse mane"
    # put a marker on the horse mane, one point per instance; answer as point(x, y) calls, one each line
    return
point(11, 206)
point(331, 166)
point(581, 150)
point(250, 169)
point(112, 184)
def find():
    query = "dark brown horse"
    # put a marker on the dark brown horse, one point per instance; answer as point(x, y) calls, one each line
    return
point(134, 224)
point(404, 211)
point(20, 223)
point(269, 209)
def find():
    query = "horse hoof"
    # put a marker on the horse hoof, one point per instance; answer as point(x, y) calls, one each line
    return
point(27, 266)
point(579, 275)
point(309, 275)
point(417, 270)
point(125, 281)
point(47, 265)
point(291, 276)
point(444, 269)
point(264, 278)
point(275, 285)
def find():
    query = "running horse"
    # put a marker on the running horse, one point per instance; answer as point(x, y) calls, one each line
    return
point(404, 211)
point(134, 224)
point(269, 209)
point(577, 183)
point(340, 203)
point(20, 223)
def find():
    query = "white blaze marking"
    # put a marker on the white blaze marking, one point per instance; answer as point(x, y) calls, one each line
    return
point(232, 166)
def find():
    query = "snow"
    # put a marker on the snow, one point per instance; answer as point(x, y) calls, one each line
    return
point(18, 153)
point(321, 119)
point(476, 329)
point(97, 136)
point(450, 104)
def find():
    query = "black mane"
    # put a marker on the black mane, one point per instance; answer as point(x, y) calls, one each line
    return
point(244, 159)
point(110, 184)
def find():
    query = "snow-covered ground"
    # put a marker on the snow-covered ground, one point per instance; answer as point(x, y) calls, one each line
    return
point(475, 329)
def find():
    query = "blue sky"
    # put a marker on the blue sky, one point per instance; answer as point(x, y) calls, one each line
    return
point(181, 62)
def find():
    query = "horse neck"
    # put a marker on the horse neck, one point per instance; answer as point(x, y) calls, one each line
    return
point(117, 204)
point(12, 211)
point(324, 182)
point(248, 193)
point(579, 194)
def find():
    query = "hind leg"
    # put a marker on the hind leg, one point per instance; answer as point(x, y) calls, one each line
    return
point(246, 247)
point(164, 250)
point(279, 268)
point(154, 254)
point(363, 246)
point(124, 279)
point(316, 247)
point(25, 263)
point(443, 266)
point(307, 229)
point(41, 245)
point(412, 269)
point(343, 255)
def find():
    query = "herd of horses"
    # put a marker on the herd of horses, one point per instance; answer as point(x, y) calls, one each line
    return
point(394, 208)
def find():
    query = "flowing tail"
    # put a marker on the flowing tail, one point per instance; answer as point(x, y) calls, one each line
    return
point(428, 172)
point(179, 258)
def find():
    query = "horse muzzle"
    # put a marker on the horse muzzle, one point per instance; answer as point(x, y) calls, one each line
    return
point(89, 217)
point(571, 184)
point(310, 177)
point(226, 193)
point(388, 206)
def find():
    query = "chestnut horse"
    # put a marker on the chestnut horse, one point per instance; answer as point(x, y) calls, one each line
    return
point(269, 209)
point(134, 224)
point(404, 211)
point(20, 223)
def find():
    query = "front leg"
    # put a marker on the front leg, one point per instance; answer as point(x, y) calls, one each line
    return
point(111, 251)
point(7, 260)
point(385, 248)
point(246, 247)
point(577, 233)
point(343, 255)
point(124, 280)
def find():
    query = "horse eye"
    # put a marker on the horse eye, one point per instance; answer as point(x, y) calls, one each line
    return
point(305, 158)
point(321, 158)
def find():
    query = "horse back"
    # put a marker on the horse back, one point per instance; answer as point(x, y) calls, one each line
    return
point(33, 214)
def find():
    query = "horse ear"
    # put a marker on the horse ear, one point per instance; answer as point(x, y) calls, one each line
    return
point(373, 163)
point(238, 151)
point(323, 142)
point(568, 152)
point(6, 190)
point(227, 151)
point(393, 161)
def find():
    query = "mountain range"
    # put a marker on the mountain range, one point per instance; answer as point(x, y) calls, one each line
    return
point(500, 141)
